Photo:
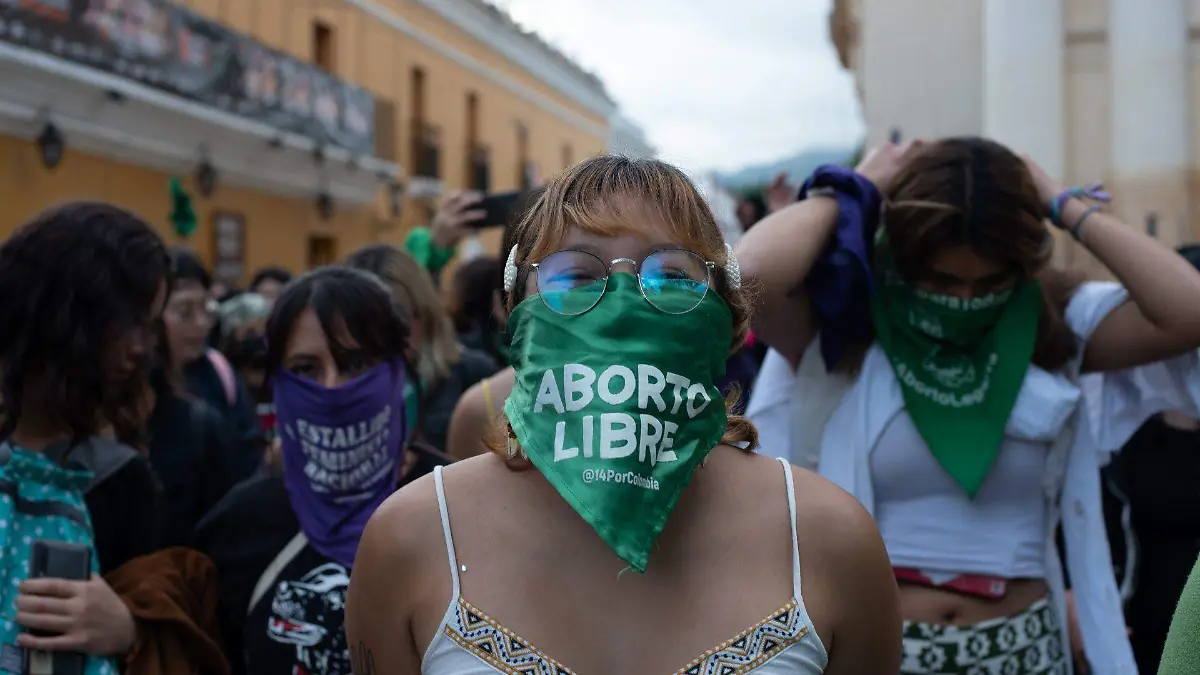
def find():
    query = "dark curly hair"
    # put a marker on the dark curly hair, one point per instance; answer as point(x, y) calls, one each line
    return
point(74, 281)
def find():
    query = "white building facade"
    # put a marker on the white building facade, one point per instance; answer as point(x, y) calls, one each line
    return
point(1091, 89)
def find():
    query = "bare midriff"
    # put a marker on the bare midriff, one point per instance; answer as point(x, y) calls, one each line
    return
point(947, 608)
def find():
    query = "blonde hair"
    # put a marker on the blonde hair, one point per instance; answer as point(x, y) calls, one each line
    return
point(611, 196)
point(409, 281)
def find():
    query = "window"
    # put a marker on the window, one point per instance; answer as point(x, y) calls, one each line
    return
point(568, 156)
point(418, 93)
point(385, 129)
point(472, 118)
point(229, 247)
point(323, 45)
point(523, 177)
point(522, 142)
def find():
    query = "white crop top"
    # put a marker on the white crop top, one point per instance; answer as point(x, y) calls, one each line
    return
point(929, 523)
point(469, 642)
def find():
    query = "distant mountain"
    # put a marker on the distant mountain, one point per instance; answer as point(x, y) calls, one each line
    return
point(797, 167)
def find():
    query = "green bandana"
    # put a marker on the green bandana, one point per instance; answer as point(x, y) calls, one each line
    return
point(618, 406)
point(960, 363)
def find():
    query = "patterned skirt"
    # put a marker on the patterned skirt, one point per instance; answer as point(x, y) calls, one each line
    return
point(1028, 643)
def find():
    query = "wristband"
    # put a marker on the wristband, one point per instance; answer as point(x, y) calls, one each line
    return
point(1095, 191)
point(1079, 222)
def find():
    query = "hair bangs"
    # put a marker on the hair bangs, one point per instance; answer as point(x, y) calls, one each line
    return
point(619, 196)
point(353, 307)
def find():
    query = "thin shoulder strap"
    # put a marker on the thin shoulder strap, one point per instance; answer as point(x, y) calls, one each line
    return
point(791, 494)
point(441, 496)
point(285, 556)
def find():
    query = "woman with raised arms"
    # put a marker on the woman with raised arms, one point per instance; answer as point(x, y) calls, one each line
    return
point(959, 426)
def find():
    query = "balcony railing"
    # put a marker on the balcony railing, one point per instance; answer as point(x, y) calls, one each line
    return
point(426, 150)
point(479, 167)
point(170, 48)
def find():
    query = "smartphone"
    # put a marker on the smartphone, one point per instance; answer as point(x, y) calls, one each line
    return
point(57, 560)
point(497, 208)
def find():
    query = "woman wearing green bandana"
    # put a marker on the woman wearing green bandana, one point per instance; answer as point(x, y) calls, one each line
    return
point(619, 526)
point(955, 415)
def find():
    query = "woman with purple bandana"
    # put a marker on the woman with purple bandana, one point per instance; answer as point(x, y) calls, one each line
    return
point(284, 544)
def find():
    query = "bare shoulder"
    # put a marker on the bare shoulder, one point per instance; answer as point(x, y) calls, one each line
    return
point(469, 424)
point(822, 508)
point(405, 528)
point(382, 606)
point(472, 419)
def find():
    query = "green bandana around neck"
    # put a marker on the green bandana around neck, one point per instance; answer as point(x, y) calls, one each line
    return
point(617, 407)
point(960, 363)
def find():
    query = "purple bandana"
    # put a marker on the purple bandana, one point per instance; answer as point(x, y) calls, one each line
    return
point(341, 452)
point(840, 282)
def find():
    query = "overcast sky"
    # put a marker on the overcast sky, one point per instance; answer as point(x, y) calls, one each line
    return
point(715, 83)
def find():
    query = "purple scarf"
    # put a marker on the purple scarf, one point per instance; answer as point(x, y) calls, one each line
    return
point(341, 453)
point(840, 282)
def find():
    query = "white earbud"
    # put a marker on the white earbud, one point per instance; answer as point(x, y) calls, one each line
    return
point(510, 271)
point(733, 271)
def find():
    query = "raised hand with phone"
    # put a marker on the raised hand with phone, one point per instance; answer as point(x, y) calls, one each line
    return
point(453, 219)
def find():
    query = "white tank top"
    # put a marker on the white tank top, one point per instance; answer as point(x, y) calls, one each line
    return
point(469, 642)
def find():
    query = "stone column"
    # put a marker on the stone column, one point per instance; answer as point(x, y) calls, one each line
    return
point(1024, 76)
point(1148, 47)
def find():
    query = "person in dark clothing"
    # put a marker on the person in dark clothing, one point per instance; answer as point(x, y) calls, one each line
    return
point(191, 451)
point(478, 311)
point(80, 286)
point(205, 372)
point(284, 542)
point(1151, 494)
point(444, 368)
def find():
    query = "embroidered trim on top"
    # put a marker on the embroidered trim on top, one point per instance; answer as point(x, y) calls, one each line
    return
point(506, 651)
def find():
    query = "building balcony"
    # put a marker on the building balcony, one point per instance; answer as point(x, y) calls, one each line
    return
point(168, 89)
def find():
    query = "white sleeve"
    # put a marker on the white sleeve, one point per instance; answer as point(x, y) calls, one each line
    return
point(770, 407)
point(1119, 402)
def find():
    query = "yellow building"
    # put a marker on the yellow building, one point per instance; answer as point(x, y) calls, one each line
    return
point(140, 90)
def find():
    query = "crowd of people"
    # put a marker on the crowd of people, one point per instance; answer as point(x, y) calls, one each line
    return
point(880, 435)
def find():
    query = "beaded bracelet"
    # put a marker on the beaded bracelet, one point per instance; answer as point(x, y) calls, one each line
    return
point(1074, 230)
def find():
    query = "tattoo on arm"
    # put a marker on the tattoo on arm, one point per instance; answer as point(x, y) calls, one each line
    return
point(362, 661)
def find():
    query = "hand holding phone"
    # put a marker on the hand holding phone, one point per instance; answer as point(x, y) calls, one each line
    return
point(497, 209)
point(56, 560)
